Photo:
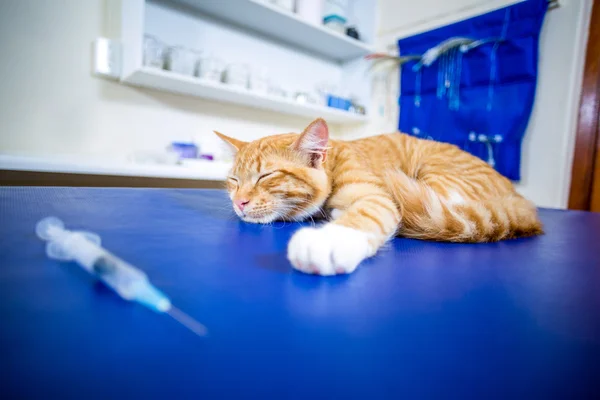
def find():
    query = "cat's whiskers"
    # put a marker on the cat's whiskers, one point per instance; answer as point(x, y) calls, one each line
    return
point(300, 212)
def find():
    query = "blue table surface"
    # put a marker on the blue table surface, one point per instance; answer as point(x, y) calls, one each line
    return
point(516, 319)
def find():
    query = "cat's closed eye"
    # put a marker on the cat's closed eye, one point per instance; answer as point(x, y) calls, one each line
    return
point(265, 175)
point(232, 183)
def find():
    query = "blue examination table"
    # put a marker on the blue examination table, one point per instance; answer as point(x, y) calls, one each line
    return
point(511, 320)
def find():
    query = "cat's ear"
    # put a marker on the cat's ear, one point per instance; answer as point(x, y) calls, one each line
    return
point(234, 144)
point(313, 142)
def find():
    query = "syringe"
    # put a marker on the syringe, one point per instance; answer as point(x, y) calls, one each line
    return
point(127, 281)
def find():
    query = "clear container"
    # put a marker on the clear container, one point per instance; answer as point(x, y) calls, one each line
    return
point(236, 75)
point(276, 90)
point(335, 23)
point(305, 98)
point(154, 52)
point(336, 8)
point(310, 10)
point(210, 68)
point(259, 80)
point(181, 60)
point(323, 91)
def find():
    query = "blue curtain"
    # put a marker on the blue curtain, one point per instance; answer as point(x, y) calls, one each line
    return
point(478, 91)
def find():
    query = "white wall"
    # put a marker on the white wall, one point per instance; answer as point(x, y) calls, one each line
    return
point(549, 141)
point(51, 105)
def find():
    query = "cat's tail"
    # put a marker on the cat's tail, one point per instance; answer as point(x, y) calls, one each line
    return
point(428, 215)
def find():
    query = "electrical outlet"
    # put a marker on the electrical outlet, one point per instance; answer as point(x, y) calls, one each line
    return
point(106, 58)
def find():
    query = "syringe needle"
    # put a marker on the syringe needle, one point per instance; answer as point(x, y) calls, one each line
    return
point(187, 321)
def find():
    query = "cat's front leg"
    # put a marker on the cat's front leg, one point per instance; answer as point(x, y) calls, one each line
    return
point(339, 247)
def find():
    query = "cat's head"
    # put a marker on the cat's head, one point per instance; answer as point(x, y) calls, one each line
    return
point(279, 177)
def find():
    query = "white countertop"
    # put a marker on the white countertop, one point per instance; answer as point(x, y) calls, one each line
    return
point(201, 170)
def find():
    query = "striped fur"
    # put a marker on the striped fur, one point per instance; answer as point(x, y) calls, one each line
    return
point(428, 215)
point(382, 185)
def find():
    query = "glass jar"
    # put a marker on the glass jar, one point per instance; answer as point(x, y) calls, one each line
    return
point(154, 52)
point(210, 68)
point(236, 75)
point(181, 60)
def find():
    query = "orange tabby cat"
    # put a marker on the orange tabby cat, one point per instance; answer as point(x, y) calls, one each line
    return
point(371, 189)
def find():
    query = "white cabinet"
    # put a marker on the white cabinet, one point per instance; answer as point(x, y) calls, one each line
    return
point(299, 56)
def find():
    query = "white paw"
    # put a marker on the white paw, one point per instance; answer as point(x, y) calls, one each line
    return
point(335, 213)
point(329, 250)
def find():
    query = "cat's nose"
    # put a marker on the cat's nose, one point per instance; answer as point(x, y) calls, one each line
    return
point(241, 203)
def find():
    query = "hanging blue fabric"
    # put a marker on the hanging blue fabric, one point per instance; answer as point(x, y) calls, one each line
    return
point(475, 84)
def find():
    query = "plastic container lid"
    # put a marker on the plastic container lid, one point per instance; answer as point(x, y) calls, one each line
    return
point(334, 18)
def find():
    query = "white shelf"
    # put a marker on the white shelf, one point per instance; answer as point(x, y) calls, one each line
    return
point(175, 83)
point(283, 25)
point(202, 170)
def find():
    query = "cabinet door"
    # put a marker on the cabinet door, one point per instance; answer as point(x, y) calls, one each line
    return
point(585, 173)
point(595, 203)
